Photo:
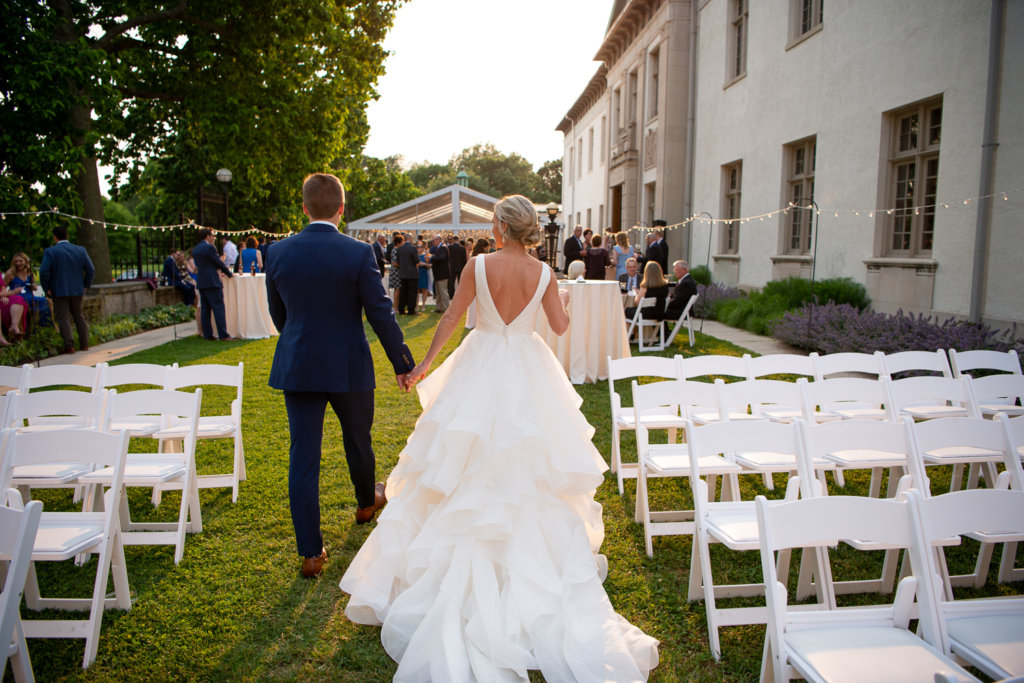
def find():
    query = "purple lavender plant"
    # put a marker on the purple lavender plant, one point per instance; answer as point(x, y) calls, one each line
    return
point(709, 296)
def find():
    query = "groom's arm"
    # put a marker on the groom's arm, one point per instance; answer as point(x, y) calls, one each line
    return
point(381, 314)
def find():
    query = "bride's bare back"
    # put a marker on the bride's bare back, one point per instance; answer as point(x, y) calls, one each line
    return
point(512, 280)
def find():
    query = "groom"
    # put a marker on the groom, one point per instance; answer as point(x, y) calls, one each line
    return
point(319, 284)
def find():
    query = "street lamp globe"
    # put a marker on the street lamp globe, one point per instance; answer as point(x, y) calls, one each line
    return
point(224, 175)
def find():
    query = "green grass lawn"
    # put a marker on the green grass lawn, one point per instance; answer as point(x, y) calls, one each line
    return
point(237, 608)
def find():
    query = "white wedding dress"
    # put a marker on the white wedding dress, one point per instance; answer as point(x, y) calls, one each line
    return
point(483, 564)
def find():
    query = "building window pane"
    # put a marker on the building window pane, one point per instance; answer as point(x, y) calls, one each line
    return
point(733, 176)
point(913, 179)
point(800, 192)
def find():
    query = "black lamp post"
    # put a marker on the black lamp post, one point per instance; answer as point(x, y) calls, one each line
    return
point(707, 263)
point(551, 234)
point(224, 178)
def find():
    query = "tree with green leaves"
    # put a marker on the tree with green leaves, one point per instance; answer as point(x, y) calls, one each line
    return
point(375, 185)
point(494, 173)
point(271, 89)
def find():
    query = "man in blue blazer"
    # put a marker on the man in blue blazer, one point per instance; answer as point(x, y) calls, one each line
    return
point(211, 291)
point(319, 284)
point(65, 274)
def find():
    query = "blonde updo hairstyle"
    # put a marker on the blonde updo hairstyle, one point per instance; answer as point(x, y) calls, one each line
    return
point(517, 220)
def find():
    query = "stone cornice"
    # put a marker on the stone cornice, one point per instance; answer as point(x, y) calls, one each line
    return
point(625, 28)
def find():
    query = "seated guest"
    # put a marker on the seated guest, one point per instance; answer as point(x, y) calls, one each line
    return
point(251, 256)
point(596, 258)
point(576, 269)
point(630, 279)
point(654, 285)
point(20, 276)
point(685, 287)
point(183, 280)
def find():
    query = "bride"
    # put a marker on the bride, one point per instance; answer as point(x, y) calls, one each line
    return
point(483, 565)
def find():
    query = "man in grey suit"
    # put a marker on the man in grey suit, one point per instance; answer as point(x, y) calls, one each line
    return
point(65, 274)
point(408, 274)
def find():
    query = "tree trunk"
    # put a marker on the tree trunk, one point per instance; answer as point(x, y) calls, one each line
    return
point(92, 236)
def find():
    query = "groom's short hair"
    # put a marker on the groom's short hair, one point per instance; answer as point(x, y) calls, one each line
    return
point(322, 195)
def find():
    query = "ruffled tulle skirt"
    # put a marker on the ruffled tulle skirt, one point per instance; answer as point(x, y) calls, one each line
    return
point(483, 564)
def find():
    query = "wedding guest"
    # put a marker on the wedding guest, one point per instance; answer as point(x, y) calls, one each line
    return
point(596, 259)
point(493, 244)
point(12, 311)
point(20, 274)
point(588, 236)
point(573, 246)
point(424, 281)
point(457, 256)
point(66, 272)
point(481, 247)
point(575, 269)
point(623, 252)
point(653, 285)
point(230, 256)
point(658, 250)
point(685, 288)
point(630, 280)
point(407, 261)
point(184, 281)
point(394, 280)
point(439, 266)
point(379, 246)
point(251, 256)
point(211, 290)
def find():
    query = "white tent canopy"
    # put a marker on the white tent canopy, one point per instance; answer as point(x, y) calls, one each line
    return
point(451, 209)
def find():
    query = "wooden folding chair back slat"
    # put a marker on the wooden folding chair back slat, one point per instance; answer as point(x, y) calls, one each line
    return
point(849, 398)
point(148, 374)
point(64, 535)
point(925, 398)
point(12, 378)
point(714, 366)
point(999, 394)
point(782, 364)
point(17, 536)
point(915, 361)
point(84, 376)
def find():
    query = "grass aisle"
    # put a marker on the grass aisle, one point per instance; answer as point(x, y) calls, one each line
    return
point(236, 607)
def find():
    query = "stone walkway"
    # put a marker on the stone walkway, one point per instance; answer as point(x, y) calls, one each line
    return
point(120, 348)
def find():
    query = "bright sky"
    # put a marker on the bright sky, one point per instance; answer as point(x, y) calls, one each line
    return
point(464, 72)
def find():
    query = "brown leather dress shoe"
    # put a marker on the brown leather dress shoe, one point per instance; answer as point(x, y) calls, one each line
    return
point(312, 567)
point(364, 515)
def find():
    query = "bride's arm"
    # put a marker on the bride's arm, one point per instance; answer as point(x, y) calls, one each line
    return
point(464, 295)
point(555, 303)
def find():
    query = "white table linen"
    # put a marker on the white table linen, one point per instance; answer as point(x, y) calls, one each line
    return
point(246, 310)
point(597, 330)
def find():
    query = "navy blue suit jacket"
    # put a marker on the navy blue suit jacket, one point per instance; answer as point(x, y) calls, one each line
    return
point(66, 270)
point(208, 263)
point(319, 283)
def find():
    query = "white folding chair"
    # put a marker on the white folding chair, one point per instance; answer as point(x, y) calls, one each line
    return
point(869, 643)
point(684, 319)
point(624, 419)
point(731, 523)
point(83, 376)
point(64, 535)
point(914, 361)
point(1014, 429)
point(955, 441)
point(11, 377)
point(964, 361)
point(848, 364)
point(924, 398)
point(986, 633)
point(213, 426)
point(640, 325)
point(149, 376)
point(712, 367)
point(848, 398)
point(862, 444)
point(17, 536)
point(171, 471)
point(996, 394)
point(672, 460)
point(68, 410)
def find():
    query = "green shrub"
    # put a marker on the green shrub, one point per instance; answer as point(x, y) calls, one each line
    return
point(797, 291)
point(701, 274)
point(752, 313)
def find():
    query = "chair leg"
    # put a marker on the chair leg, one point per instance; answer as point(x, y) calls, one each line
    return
point(1007, 569)
point(21, 663)
point(700, 541)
